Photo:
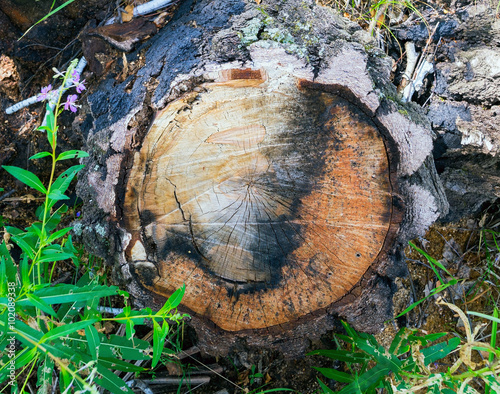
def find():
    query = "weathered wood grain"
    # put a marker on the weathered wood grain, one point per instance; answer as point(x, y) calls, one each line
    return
point(268, 203)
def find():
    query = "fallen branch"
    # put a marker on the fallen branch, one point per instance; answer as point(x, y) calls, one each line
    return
point(411, 62)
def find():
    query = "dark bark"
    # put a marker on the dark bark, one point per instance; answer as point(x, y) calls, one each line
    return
point(464, 105)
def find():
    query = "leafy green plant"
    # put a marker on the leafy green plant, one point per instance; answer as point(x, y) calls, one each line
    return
point(253, 375)
point(46, 328)
point(411, 362)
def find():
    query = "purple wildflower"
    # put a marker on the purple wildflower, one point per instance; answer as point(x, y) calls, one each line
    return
point(80, 87)
point(70, 103)
point(75, 76)
point(45, 94)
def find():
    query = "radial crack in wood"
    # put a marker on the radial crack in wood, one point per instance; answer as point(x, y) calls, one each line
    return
point(269, 201)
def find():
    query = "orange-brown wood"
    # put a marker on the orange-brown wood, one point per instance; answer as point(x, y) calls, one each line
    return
point(268, 201)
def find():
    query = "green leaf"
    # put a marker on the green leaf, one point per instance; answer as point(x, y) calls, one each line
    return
point(51, 256)
point(24, 245)
point(383, 358)
point(63, 293)
point(325, 388)
point(40, 155)
point(136, 349)
point(26, 177)
point(45, 375)
point(119, 365)
point(173, 301)
point(129, 328)
point(396, 342)
point(68, 311)
point(57, 195)
point(26, 357)
point(67, 329)
point(439, 351)
point(25, 277)
point(65, 381)
point(492, 382)
point(93, 341)
point(5, 253)
point(41, 304)
point(110, 381)
point(14, 231)
point(3, 278)
point(50, 121)
point(367, 380)
point(72, 154)
point(35, 229)
point(59, 234)
point(63, 181)
point(159, 336)
point(431, 337)
point(338, 376)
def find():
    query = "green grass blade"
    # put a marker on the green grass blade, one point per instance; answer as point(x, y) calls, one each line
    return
point(494, 330)
point(432, 262)
point(488, 317)
point(47, 16)
point(431, 294)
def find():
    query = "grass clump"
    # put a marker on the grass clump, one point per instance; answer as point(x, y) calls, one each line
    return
point(55, 332)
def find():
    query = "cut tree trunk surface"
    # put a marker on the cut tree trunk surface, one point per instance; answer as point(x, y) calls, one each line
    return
point(268, 202)
point(278, 178)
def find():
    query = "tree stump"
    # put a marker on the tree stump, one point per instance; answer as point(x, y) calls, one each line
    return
point(259, 158)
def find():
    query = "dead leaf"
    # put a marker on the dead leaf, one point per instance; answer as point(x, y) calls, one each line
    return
point(128, 14)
